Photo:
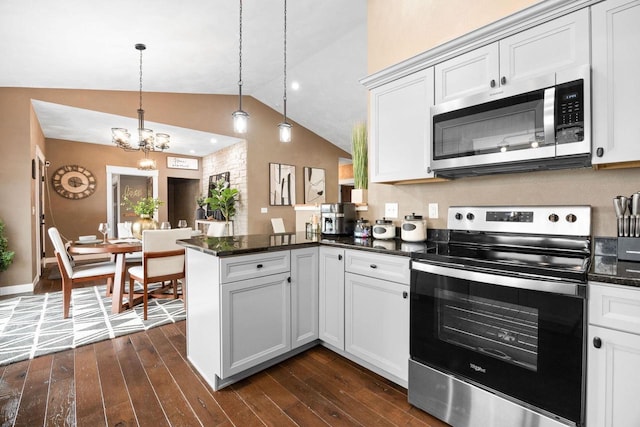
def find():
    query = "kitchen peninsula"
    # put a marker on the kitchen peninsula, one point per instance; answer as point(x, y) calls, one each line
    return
point(255, 300)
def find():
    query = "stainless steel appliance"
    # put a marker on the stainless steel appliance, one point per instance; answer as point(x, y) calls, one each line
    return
point(337, 218)
point(497, 318)
point(543, 123)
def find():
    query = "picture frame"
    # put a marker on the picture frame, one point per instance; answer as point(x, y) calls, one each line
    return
point(282, 184)
point(314, 185)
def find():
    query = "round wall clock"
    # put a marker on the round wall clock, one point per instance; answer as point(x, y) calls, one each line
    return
point(73, 182)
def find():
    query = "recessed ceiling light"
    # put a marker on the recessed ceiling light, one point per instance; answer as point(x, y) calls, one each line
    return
point(295, 85)
point(214, 140)
point(192, 151)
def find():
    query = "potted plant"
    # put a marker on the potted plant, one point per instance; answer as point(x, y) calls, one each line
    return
point(223, 198)
point(201, 213)
point(144, 207)
point(360, 161)
point(6, 256)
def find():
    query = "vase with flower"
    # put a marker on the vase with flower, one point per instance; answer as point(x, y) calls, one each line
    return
point(145, 208)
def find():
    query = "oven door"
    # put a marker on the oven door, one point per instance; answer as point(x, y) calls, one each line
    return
point(523, 343)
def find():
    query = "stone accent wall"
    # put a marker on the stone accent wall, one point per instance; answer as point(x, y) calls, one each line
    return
point(232, 159)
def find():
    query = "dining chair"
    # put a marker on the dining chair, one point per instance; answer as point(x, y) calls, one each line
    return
point(72, 274)
point(125, 233)
point(162, 261)
point(278, 225)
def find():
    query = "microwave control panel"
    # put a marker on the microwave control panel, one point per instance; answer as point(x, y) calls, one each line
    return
point(570, 112)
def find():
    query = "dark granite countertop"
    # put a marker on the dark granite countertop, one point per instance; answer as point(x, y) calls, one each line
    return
point(607, 268)
point(254, 243)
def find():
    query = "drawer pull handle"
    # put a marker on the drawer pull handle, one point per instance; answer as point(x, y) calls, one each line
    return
point(373, 266)
point(259, 266)
point(597, 342)
point(405, 294)
point(289, 279)
point(339, 257)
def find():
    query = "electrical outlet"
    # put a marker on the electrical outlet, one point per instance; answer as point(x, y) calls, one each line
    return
point(391, 210)
point(433, 210)
point(263, 210)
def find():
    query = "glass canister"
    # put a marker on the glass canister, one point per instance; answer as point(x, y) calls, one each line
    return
point(362, 229)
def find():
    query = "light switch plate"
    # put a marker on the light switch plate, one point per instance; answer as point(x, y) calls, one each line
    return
point(433, 210)
point(391, 210)
point(263, 210)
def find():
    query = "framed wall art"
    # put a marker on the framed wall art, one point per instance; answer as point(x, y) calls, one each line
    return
point(282, 184)
point(314, 188)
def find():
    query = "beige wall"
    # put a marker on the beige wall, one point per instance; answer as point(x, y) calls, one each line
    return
point(400, 30)
point(210, 113)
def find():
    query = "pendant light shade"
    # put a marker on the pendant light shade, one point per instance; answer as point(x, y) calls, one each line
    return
point(285, 127)
point(240, 117)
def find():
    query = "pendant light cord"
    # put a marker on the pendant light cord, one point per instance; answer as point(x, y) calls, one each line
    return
point(240, 60)
point(285, 62)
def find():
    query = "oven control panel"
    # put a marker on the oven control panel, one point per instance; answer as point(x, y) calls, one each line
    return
point(556, 220)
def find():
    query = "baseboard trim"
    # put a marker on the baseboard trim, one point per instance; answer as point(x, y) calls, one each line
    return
point(17, 289)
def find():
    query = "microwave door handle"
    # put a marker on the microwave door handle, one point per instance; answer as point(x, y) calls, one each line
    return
point(549, 116)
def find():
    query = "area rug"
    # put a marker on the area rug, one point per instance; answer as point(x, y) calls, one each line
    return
point(31, 326)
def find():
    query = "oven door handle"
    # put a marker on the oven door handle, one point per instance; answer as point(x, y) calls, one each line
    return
point(563, 288)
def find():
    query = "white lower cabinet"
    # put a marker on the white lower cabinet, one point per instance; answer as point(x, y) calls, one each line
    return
point(331, 296)
point(256, 322)
point(377, 322)
point(236, 322)
point(613, 375)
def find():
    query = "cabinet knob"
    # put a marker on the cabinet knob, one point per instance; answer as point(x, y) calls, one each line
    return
point(405, 294)
point(289, 279)
point(339, 257)
point(492, 83)
point(600, 152)
point(373, 266)
point(259, 266)
point(597, 342)
point(503, 80)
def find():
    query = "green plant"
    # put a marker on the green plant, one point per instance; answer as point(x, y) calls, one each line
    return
point(6, 256)
point(143, 206)
point(201, 201)
point(359, 156)
point(223, 198)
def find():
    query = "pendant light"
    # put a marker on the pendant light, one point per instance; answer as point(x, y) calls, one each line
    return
point(146, 140)
point(285, 128)
point(240, 117)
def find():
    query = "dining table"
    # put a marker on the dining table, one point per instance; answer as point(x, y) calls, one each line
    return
point(119, 248)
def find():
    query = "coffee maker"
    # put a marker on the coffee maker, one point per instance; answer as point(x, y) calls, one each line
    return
point(337, 218)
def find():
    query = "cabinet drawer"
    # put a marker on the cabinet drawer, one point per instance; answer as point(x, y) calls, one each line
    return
point(245, 267)
point(615, 307)
point(380, 266)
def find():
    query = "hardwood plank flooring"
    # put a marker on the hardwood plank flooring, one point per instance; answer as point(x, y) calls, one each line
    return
point(144, 379)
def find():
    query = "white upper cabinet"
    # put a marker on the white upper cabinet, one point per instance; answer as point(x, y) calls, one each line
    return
point(615, 88)
point(541, 50)
point(399, 133)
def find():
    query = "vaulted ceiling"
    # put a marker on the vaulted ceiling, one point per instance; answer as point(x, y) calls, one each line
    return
point(192, 47)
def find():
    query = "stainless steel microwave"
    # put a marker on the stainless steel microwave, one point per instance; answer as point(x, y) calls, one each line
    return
point(543, 123)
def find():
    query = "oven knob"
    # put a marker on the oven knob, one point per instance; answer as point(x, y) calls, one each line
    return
point(470, 216)
point(554, 218)
point(458, 216)
point(571, 218)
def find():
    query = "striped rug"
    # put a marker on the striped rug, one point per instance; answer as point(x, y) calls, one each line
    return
point(31, 326)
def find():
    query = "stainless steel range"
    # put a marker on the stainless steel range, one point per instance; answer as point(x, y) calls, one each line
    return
point(498, 318)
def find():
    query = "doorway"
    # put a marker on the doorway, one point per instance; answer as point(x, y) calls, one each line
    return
point(116, 175)
point(181, 204)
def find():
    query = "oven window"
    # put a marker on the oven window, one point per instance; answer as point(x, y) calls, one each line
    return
point(502, 330)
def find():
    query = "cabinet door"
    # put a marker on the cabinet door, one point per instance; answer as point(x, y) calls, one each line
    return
point(399, 135)
point(544, 49)
point(613, 378)
point(331, 296)
point(256, 322)
point(615, 88)
point(377, 323)
point(304, 296)
point(467, 74)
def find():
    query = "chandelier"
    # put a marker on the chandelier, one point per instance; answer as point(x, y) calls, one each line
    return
point(240, 117)
point(146, 140)
point(285, 127)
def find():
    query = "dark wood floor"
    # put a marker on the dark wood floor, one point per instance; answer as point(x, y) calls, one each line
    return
point(144, 379)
